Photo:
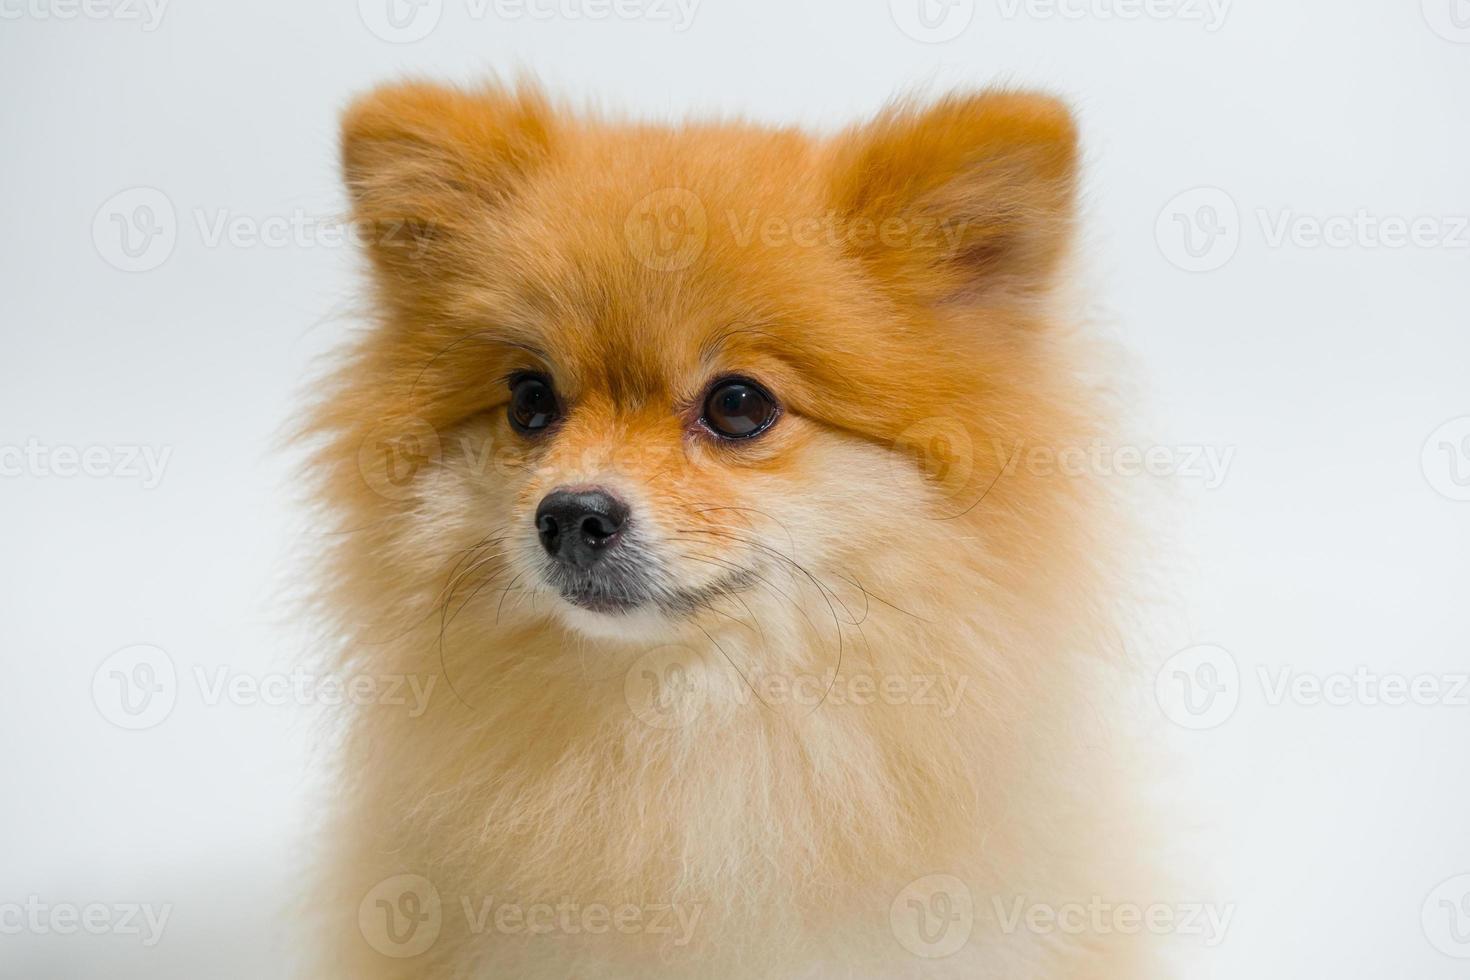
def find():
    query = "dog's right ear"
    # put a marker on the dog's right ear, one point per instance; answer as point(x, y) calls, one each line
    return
point(995, 171)
point(425, 166)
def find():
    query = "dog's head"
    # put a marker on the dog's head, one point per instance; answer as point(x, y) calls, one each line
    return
point(639, 379)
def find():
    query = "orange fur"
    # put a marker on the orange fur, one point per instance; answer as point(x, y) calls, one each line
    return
point(890, 285)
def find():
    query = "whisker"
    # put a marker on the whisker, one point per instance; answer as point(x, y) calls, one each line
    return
point(505, 592)
point(824, 591)
point(988, 488)
point(762, 579)
point(837, 624)
point(822, 587)
point(733, 667)
point(728, 594)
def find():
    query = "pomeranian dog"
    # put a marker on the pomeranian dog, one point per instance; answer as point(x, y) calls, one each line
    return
point(689, 476)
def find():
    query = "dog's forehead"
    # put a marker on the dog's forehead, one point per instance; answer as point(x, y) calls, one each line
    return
point(631, 345)
point(640, 263)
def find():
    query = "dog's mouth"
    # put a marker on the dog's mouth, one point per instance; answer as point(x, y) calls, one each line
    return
point(614, 596)
point(603, 601)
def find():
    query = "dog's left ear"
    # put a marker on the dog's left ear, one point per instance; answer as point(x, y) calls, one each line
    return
point(970, 199)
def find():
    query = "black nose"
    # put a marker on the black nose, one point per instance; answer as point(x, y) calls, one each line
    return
point(579, 526)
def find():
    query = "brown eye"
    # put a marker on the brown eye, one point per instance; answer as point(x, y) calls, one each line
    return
point(532, 404)
point(738, 409)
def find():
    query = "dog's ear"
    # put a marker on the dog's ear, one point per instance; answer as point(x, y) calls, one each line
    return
point(968, 199)
point(425, 164)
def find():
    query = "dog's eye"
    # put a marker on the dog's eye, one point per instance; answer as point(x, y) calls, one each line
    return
point(738, 409)
point(532, 403)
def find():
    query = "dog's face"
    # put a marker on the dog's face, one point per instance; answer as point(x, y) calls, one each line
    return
point(663, 378)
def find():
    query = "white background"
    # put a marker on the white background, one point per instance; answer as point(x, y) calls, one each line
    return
point(1323, 368)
